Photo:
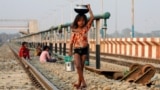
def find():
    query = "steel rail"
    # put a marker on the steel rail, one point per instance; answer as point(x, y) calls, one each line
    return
point(124, 60)
point(44, 82)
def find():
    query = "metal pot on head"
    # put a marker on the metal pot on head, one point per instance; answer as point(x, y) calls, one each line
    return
point(81, 9)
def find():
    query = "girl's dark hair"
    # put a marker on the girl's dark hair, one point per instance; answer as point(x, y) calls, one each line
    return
point(23, 43)
point(45, 47)
point(75, 22)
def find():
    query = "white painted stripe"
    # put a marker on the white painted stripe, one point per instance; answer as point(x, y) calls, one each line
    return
point(133, 49)
point(114, 48)
point(139, 50)
point(154, 53)
point(110, 47)
point(128, 49)
point(146, 51)
point(122, 49)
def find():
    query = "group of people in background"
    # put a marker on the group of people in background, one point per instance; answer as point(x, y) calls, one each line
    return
point(43, 53)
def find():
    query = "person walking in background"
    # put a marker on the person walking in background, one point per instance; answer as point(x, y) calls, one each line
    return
point(24, 51)
point(45, 57)
point(79, 43)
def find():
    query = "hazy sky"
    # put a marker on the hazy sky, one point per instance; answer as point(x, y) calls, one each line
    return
point(51, 12)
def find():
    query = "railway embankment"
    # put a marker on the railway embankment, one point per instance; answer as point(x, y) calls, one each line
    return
point(57, 74)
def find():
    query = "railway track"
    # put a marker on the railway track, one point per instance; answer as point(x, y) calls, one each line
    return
point(125, 60)
point(13, 75)
point(38, 79)
point(55, 73)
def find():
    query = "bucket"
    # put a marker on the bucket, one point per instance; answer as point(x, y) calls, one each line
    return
point(67, 58)
point(87, 62)
point(69, 66)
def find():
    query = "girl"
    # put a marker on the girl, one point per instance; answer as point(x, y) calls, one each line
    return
point(79, 43)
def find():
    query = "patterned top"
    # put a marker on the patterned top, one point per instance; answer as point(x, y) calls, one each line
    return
point(79, 38)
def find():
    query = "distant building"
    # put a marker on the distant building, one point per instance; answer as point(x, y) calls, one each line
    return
point(32, 28)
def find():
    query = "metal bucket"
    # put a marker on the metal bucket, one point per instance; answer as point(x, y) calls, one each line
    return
point(69, 66)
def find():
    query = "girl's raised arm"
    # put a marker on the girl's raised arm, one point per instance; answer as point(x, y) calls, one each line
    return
point(91, 17)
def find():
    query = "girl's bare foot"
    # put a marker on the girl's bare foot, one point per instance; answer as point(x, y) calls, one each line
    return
point(83, 85)
point(77, 86)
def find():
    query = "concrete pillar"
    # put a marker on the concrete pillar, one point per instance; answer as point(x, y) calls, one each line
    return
point(156, 42)
point(129, 47)
point(109, 45)
point(102, 44)
point(33, 26)
point(125, 46)
point(134, 46)
point(142, 48)
point(118, 46)
point(151, 47)
point(114, 46)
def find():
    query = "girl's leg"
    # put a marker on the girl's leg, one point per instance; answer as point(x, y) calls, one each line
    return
point(84, 57)
point(77, 62)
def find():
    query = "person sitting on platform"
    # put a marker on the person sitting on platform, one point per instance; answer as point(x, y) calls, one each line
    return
point(38, 50)
point(24, 51)
point(45, 57)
